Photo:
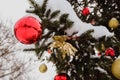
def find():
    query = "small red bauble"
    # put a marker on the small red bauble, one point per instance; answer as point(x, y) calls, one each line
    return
point(49, 51)
point(85, 11)
point(28, 30)
point(62, 76)
point(110, 52)
point(99, 54)
point(93, 22)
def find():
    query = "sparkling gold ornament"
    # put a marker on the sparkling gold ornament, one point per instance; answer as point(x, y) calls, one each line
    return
point(116, 68)
point(68, 49)
point(113, 23)
point(62, 38)
point(43, 68)
point(64, 47)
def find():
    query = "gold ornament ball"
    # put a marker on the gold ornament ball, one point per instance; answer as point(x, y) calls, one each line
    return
point(116, 68)
point(113, 23)
point(43, 68)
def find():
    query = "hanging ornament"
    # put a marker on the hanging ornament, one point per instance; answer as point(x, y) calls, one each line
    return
point(99, 54)
point(28, 30)
point(49, 51)
point(113, 23)
point(110, 52)
point(116, 68)
point(43, 68)
point(85, 11)
point(62, 76)
point(93, 22)
point(102, 47)
point(64, 47)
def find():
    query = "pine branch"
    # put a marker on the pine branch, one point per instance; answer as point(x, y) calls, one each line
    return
point(54, 14)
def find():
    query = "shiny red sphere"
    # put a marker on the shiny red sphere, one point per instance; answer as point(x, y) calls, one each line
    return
point(28, 30)
point(110, 52)
point(61, 76)
point(85, 11)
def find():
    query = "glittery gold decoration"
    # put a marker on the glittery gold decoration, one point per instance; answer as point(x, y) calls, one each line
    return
point(62, 38)
point(65, 47)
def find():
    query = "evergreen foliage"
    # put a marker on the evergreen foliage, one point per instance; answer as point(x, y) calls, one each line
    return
point(103, 11)
point(84, 65)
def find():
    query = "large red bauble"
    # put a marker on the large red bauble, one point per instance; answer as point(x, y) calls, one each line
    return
point(28, 30)
point(85, 11)
point(110, 52)
point(61, 76)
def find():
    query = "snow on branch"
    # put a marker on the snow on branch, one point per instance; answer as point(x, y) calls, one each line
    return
point(79, 26)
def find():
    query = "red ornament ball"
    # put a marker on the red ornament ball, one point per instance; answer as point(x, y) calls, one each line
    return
point(85, 11)
point(99, 54)
point(49, 51)
point(62, 76)
point(28, 30)
point(110, 52)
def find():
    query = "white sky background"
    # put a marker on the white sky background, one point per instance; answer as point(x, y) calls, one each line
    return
point(10, 12)
point(13, 9)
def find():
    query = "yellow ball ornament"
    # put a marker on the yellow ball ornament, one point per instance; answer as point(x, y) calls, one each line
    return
point(116, 68)
point(113, 23)
point(43, 68)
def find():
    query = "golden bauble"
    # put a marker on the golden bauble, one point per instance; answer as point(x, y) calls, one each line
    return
point(116, 68)
point(43, 68)
point(113, 23)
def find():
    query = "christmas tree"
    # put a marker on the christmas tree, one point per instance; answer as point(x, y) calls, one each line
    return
point(77, 55)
